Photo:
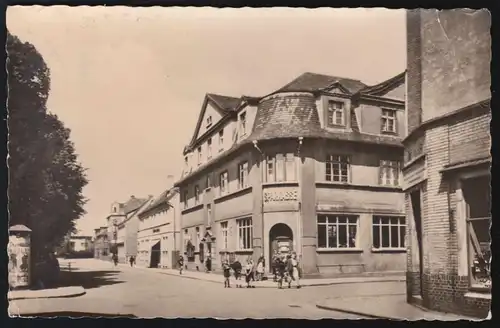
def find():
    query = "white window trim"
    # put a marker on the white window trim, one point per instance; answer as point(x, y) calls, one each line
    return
point(196, 195)
point(199, 156)
point(272, 159)
point(240, 227)
point(224, 226)
point(334, 113)
point(380, 225)
point(328, 216)
point(390, 165)
point(386, 118)
point(243, 175)
point(331, 162)
point(221, 140)
point(224, 191)
point(209, 122)
point(209, 148)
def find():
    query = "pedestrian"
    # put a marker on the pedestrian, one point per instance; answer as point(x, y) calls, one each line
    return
point(275, 266)
point(226, 268)
point(293, 270)
point(249, 273)
point(281, 271)
point(236, 266)
point(114, 257)
point(132, 261)
point(181, 264)
point(260, 268)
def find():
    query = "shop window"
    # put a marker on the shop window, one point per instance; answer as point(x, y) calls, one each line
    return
point(337, 168)
point(477, 194)
point(245, 234)
point(337, 231)
point(389, 232)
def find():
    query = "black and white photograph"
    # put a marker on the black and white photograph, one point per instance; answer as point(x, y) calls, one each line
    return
point(261, 163)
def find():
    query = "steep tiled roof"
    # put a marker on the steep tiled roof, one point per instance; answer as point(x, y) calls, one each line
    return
point(382, 87)
point(132, 204)
point(312, 81)
point(225, 103)
point(163, 199)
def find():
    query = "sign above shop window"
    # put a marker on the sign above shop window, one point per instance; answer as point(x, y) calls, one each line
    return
point(280, 195)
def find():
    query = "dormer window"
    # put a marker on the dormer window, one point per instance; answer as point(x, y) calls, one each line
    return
point(388, 121)
point(209, 122)
point(243, 124)
point(209, 148)
point(199, 155)
point(221, 140)
point(336, 113)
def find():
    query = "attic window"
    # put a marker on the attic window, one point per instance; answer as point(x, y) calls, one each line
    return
point(336, 113)
point(209, 122)
point(388, 120)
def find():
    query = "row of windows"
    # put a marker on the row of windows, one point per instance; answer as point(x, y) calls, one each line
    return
point(341, 231)
point(337, 117)
point(282, 167)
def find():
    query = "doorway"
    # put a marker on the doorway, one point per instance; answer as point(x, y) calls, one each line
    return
point(280, 241)
point(155, 255)
point(417, 219)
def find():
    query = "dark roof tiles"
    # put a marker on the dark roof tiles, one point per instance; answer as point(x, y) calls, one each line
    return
point(225, 103)
point(312, 82)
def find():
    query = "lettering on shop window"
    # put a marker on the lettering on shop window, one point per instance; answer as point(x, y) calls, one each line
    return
point(280, 196)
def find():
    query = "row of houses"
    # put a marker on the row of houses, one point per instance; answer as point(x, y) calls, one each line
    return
point(355, 178)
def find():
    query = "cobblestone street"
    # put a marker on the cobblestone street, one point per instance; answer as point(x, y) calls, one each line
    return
point(142, 293)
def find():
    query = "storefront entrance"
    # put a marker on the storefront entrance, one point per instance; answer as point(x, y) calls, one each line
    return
point(280, 241)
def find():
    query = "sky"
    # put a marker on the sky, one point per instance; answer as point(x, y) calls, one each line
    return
point(130, 82)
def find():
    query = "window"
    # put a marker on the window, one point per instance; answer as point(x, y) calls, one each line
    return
point(221, 140)
point(224, 234)
point(209, 148)
point(336, 113)
point(209, 182)
point(389, 232)
point(337, 231)
point(196, 195)
point(185, 199)
point(198, 236)
point(245, 234)
point(389, 173)
point(243, 124)
point(209, 214)
point(388, 120)
point(209, 122)
point(281, 167)
point(199, 155)
point(337, 168)
point(242, 175)
point(224, 188)
point(477, 195)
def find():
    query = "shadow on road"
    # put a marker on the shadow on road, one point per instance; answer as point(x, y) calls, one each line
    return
point(87, 279)
point(77, 315)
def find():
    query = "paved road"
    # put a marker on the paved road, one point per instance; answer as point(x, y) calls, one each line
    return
point(142, 293)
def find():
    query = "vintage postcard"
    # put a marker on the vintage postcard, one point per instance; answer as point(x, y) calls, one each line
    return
point(169, 162)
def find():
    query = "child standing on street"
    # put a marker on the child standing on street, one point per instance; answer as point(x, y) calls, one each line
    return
point(227, 274)
point(181, 264)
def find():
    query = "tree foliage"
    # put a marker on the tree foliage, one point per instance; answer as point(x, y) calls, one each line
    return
point(45, 177)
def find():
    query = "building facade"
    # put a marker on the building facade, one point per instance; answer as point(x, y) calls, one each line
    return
point(313, 167)
point(101, 243)
point(447, 160)
point(117, 222)
point(158, 241)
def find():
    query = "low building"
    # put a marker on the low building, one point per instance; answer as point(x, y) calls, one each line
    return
point(158, 239)
point(313, 167)
point(123, 225)
point(447, 160)
point(80, 244)
point(101, 243)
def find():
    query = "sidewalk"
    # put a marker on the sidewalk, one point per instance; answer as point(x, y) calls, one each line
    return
point(218, 278)
point(45, 293)
point(393, 307)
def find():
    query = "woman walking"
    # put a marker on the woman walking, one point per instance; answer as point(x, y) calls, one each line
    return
point(293, 270)
point(260, 268)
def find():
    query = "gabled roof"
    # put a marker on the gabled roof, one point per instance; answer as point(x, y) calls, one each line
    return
point(225, 104)
point(313, 82)
point(162, 200)
point(132, 204)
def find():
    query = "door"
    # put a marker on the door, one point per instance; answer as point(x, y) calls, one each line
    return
point(280, 241)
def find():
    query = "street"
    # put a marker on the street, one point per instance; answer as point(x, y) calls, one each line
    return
point(142, 293)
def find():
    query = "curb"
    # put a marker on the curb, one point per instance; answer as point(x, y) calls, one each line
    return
point(75, 294)
point(368, 315)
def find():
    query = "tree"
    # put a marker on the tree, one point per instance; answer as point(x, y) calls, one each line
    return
point(45, 177)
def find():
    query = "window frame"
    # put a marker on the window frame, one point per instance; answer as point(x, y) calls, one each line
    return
point(330, 162)
point(199, 156)
point(209, 148)
point(337, 224)
point(243, 180)
point(225, 190)
point(392, 166)
point(282, 158)
point(196, 195)
point(331, 110)
point(221, 139)
point(244, 224)
point(385, 118)
point(224, 229)
point(242, 123)
point(380, 224)
point(209, 214)
point(209, 122)
point(186, 198)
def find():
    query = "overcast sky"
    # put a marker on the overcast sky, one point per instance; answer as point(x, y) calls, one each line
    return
point(129, 82)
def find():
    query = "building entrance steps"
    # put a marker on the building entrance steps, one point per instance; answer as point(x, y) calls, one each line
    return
point(393, 307)
point(216, 277)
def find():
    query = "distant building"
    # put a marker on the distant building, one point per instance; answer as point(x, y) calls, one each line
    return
point(101, 243)
point(158, 240)
point(313, 167)
point(80, 244)
point(122, 227)
point(447, 160)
